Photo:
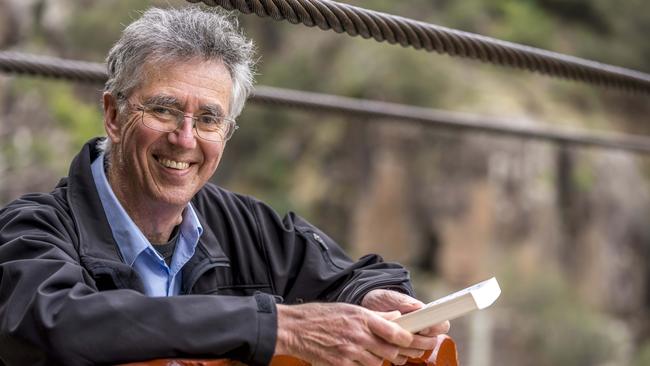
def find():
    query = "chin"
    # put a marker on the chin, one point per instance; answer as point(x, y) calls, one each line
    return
point(175, 198)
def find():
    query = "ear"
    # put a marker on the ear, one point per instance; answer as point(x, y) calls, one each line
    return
point(111, 124)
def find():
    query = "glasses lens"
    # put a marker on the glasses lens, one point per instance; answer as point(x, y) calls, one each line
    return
point(160, 118)
point(216, 130)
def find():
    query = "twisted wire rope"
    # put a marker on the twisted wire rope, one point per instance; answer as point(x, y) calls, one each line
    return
point(22, 63)
point(90, 72)
point(356, 21)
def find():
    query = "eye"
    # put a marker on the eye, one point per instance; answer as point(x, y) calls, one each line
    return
point(163, 113)
point(160, 110)
point(209, 119)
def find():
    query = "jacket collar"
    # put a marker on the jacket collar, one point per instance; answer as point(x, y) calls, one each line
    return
point(95, 238)
point(97, 248)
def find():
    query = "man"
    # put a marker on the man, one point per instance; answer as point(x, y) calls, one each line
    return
point(135, 256)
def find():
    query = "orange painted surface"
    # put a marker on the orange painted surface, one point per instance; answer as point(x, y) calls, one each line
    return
point(444, 354)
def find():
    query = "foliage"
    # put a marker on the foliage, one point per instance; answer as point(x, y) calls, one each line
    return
point(86, 40)
point(555, 325)
point(262, 153)
point(643, 357)
point(583, 177)
point(81, 120)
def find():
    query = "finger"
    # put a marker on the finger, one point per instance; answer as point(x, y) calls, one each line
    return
point(388, 300)
point(399, 360)
point(423, 343)
point(410, 304)
point(366, 358)
point(404, 302)
point(381, 349)
point(441, 328)
point(389, 315)
point(411, 352)
point(371, 342)
point(389, 331)
point(390, 354)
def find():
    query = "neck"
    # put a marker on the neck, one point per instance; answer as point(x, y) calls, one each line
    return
point(156, 220)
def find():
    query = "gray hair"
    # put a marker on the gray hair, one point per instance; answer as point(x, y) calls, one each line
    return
point(163, 36)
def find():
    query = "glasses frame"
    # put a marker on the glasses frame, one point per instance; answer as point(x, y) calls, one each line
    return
point(231, 128)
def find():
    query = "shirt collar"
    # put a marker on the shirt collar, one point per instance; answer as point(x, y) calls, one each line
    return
point(129, 238)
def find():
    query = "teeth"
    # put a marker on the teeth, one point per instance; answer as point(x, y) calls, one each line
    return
point(174, 164)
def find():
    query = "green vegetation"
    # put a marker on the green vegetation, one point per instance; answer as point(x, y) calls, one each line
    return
point(643, 357)
point(78, 119)
point(555, 325)
point(81, 120)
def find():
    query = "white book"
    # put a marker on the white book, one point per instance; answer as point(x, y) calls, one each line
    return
point(452, 306)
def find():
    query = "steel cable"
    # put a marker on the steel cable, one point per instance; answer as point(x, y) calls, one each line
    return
point(356, 21)
point(20, 63)
point(428, 117)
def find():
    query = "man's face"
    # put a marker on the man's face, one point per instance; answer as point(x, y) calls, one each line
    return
point(169, 167)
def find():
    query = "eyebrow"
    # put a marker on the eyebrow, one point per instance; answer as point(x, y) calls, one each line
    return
point(213, 109)
point(163, 100)
point(171, 101)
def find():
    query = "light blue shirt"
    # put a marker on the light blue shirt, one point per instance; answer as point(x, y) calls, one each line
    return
point(137, 251)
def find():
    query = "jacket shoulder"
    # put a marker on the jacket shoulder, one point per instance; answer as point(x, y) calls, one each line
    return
point(54, 202)
point(212, 197)
point(42, 220)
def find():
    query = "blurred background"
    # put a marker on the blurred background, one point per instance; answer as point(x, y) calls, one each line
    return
point(565, 229)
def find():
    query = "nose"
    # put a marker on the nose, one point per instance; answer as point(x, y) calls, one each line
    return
point(183, 136)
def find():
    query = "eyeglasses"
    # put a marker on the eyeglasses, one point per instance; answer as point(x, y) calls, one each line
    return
point(208, 126)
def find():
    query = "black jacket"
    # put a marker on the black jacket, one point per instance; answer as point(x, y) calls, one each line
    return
point(66, 297)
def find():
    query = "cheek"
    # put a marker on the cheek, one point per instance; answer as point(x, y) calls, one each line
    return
point(212, 156)
point(129, 132)
point(141, 137)
point(137, 140)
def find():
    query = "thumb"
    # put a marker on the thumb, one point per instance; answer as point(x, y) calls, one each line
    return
point(405, 303)
point(389, 315)
point(410, 305)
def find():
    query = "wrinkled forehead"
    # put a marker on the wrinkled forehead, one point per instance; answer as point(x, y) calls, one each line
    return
point(176, 83)
point(158, 68)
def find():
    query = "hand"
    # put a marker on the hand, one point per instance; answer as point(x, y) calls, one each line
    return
point(344, 334)
point(387, 300)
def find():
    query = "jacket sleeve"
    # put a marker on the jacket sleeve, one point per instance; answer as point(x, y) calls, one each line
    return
point(51, 311)
point(308, 265)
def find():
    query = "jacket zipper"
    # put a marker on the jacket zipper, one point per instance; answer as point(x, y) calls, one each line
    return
point(324, 248)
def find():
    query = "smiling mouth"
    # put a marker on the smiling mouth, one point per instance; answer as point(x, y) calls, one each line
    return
point(172, 164)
